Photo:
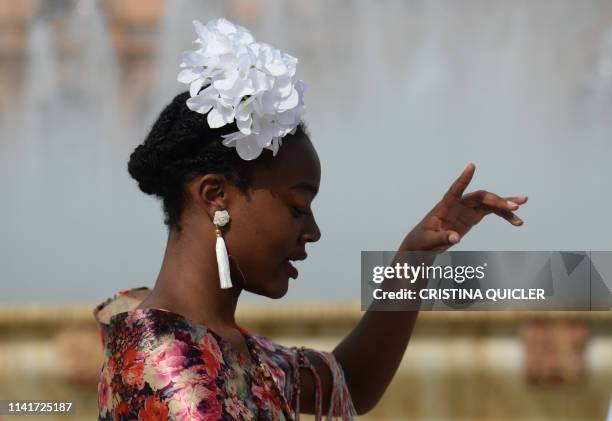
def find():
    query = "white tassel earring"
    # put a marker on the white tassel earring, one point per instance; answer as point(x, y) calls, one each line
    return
point(220, 219)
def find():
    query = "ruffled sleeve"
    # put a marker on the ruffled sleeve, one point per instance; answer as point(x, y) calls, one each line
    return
point(341, 405)
point(292, 360)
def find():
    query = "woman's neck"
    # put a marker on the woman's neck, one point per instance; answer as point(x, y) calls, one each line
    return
point(188, 282)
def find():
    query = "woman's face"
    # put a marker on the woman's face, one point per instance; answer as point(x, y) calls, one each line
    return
point(273, 222)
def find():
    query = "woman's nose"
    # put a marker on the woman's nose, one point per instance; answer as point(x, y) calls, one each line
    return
point(312, 233)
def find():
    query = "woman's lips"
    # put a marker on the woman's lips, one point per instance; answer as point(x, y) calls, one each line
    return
point(292, 272)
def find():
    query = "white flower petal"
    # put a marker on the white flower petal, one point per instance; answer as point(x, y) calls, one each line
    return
point(231, 139)
point(215, 119)
point(225, 26)
point(228, 113)
point(264, 138)
point(201, 103)
point(227, 82)
point(260, 81)
point(188, 75)
point(216, 47)
point(200, 29)
point(290, 102)
point(195, 86)
point(287, 117)
point(244, 125)
point(267, 102)
point(194, 59)
point(247, 149)
point(283, 86)
point(274, 146)
point(245, 108)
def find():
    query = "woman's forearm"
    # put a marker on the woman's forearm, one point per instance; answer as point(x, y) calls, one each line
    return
point(371, 353)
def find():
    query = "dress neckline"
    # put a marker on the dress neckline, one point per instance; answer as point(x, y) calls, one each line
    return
point(124, 303)
point(224, 344)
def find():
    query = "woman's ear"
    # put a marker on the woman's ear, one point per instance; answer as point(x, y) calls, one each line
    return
point(210, 192)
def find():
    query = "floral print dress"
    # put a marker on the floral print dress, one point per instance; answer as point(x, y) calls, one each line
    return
point(158, 365)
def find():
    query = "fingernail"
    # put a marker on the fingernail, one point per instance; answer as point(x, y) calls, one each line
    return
point(512, 204)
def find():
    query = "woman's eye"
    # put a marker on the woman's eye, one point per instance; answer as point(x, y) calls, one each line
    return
point(299, 212)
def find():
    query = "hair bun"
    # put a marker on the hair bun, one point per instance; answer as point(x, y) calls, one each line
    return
point(148, 161)
point(146, 167)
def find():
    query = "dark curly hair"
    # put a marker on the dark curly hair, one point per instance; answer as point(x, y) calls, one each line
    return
point(179, 147)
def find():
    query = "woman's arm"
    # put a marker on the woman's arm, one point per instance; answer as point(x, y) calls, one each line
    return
point(371, 353)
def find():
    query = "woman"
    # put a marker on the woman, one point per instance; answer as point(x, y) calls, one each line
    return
point(176, 351)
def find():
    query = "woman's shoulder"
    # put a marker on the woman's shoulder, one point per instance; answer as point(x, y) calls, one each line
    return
point(122, 301)
point(123, 325)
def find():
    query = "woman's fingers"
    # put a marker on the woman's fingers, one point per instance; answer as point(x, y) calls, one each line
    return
point(483, 197)
point(509, 216)
point(520, 200)
point(454, 193)
point(493, 201)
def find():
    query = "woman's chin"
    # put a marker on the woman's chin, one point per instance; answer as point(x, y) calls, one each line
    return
point(276, 288)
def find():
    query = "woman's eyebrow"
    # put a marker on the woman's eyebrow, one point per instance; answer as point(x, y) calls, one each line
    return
point(307, 187)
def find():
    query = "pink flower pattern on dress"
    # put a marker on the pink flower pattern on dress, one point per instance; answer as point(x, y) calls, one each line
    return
point(165, 363)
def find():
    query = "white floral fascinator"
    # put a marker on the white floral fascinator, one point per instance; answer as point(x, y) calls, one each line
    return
point(246, 81)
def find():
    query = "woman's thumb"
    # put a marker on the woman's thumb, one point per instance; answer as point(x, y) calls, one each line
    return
point(450, 237)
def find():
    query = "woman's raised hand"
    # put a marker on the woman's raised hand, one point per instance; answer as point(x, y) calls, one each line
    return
point(457, 213)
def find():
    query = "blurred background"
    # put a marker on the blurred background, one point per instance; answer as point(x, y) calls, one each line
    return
point(402, 94)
